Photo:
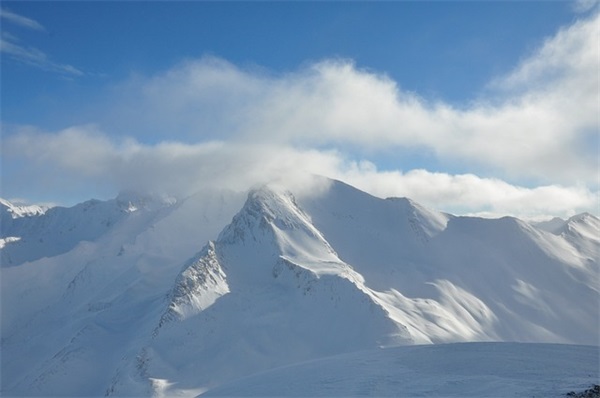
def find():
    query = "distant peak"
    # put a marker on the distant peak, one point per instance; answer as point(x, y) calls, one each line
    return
point(430, 221)
point(554, 226)
point(21, 210)
point(131, 201)
point(407, 203)
point(401, 199)
point(583, 217)
point(582, 221)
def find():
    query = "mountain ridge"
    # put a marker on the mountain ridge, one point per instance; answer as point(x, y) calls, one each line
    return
point(288, 279)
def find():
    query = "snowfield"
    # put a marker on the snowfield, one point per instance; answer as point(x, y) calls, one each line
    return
point(329, 293)
point(449, 370)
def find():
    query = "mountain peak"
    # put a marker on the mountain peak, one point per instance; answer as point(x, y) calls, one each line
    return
point(272, 216)
point(292, 277)
point(585, 224)
point(21, 210)
point(131, 201)
point(584, 217)
point(201, 282)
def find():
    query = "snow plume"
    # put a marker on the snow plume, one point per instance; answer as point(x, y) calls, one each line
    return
point(83, 154)
point(535, 131)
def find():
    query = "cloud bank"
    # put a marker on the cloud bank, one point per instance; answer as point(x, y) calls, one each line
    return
point(82, 154)
point(537, 127)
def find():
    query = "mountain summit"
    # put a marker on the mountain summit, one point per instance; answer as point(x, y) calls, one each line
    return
point(159, 304)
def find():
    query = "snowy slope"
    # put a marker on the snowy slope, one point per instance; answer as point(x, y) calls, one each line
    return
point(465, 279)
point(448, 370)
point(290, 280)
point(282, 296)
point(68, 320)
point(30, 233)
point(158, 303)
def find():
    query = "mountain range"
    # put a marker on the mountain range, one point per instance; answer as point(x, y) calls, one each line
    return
point(154, 295)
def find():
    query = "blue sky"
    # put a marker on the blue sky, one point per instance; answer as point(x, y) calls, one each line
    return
point(417, 99)
point(446, 50)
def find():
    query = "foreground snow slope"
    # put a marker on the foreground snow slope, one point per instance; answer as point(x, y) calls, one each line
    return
point(292, 278)
point(448, 370)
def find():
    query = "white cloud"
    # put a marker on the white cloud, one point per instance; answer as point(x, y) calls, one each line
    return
point(470, 194)
point(34, 57)
point(84, 154)
point(237, 127)
point(582, 6)
point(538, 123)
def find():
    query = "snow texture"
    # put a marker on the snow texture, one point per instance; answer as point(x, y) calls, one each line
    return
point(142, 295)
point(449, 370)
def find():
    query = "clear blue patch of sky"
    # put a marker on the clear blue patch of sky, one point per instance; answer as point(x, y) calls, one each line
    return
point(440, 50)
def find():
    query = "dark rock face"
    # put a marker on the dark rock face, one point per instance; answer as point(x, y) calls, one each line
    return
point(593, 392)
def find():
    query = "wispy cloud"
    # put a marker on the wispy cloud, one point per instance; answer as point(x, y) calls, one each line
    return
point(34, 57)
point(11, 46)
point(582, 6)
point(20, 20)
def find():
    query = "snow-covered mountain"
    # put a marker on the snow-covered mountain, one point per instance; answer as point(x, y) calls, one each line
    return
point(144, 296)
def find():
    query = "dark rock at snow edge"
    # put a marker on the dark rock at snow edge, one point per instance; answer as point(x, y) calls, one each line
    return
point(593, 392)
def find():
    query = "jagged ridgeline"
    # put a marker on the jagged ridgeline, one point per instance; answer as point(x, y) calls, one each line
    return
point(146, 295)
